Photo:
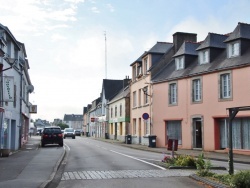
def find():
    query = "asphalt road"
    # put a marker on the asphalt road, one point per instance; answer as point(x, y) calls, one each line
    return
point(91, 163)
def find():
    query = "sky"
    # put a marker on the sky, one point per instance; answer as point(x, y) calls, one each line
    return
point(67, 51)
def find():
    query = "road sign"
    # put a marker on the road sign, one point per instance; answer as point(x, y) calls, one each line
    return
point(145, 116)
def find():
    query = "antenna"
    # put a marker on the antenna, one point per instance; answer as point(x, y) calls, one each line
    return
point(105, 55)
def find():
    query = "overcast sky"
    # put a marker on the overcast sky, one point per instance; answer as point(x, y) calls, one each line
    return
point(65, 40)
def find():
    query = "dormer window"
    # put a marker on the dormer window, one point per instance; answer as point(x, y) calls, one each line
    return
point(179, 63)
point(204, 57)
point(139, 70)
point(234, 49)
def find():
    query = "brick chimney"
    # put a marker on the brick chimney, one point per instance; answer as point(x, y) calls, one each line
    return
point(179, 38)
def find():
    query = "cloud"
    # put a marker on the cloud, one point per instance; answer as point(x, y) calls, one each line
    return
point(95, 10)
point(110, 7)
point(57, 37)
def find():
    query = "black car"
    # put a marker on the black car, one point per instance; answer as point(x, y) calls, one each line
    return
point(52, 135)
point(77, 133)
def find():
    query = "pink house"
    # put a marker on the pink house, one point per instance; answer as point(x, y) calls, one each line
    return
point(193, 86)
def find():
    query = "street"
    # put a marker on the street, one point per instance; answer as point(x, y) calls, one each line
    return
point(91, 163)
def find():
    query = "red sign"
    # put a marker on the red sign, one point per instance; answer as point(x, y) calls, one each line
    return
point(172, 144)
point(92, 119)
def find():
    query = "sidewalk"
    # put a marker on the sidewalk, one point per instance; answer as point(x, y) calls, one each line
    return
point(29, 167)
point(217, 155)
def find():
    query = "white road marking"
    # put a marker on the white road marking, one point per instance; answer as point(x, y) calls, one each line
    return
point(138, 159)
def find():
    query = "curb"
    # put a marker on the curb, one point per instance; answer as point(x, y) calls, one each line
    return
point(47, 183)
point(207, 181)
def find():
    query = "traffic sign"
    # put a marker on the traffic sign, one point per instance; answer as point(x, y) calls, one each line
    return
point(145, 116)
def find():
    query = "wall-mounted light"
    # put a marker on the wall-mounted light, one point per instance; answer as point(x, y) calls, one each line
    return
point(145, 91)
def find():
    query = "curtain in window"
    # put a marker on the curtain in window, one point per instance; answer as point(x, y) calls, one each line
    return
point(223, 134)
point(174, 130)
point(236, 127)
point(246, 133)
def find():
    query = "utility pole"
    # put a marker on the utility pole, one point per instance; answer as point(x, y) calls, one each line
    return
point(105, 54)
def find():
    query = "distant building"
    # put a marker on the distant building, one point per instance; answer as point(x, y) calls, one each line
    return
point(74, 121)
point(56, 122)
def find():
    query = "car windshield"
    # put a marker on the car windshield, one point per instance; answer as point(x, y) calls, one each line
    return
point(52, 130)
point(69, 130)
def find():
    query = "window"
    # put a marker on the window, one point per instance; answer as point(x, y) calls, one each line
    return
point(134, 99)
point(234, 49)
point(139, 70)
point(225, 86)
point(147, 127)
point(146, 65)
point(115, 111)
point(120, 110)
point(134, 73)
point(14, 103)
point(173, 93)
point(203, 57)
point(139, 98)
point(173, 129)
point(179, 63)
point(134, 126)
point(111, 112)
point(196, 90)
point(240, 131)
point(145, 89)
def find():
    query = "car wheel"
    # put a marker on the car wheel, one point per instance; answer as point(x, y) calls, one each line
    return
point(64, 137)
point(42, 144)
point(61, 144)
point(73, 137)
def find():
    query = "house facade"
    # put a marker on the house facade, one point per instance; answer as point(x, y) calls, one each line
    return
point(196, 86)
point(141, 88)
point(15, 89)
point(74, 121)
point(119, 115)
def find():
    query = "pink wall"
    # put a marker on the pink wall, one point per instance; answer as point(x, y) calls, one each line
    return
point(208, 109)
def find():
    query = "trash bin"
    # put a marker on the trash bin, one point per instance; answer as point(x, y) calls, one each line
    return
point(106, 135)
point(128, 139)
point(87, 134)
point(152, 141)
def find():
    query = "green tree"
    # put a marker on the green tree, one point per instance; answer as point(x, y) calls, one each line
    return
point(63, 126)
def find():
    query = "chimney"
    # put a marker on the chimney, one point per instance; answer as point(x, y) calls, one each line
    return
point(179, 38)
point(126, 81)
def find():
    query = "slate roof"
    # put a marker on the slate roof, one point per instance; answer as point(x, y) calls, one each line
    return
point(187, 48)
point(10, 34)
point(220, 62)
point(158, 48)
point(124, 92)
point(73, 117)
point(213, 40)
point(111, 87)
point(241, 31)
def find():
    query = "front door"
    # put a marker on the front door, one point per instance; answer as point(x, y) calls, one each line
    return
point(115, 131)
point(197, 133)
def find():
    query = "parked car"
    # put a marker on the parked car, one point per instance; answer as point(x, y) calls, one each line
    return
point(52, 135)
point(69, 132)
point(77, 133)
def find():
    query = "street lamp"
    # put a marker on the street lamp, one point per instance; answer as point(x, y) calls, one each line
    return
point(145, 91)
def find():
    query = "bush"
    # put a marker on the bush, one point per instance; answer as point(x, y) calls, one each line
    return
point(241, 179)
point(203, 166)
point(185, 160)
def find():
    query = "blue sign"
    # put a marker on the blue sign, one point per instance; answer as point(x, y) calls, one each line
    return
point(145, 116)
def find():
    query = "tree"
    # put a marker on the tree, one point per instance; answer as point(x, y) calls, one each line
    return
point(63, 126)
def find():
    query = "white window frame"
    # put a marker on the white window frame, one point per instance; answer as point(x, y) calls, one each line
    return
point(145, 63)
point(204, 57)
point(196, 90)
point(234, 49)
point(179, 63)
point(173, 93)
point(225, 86)
point(134, 99)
